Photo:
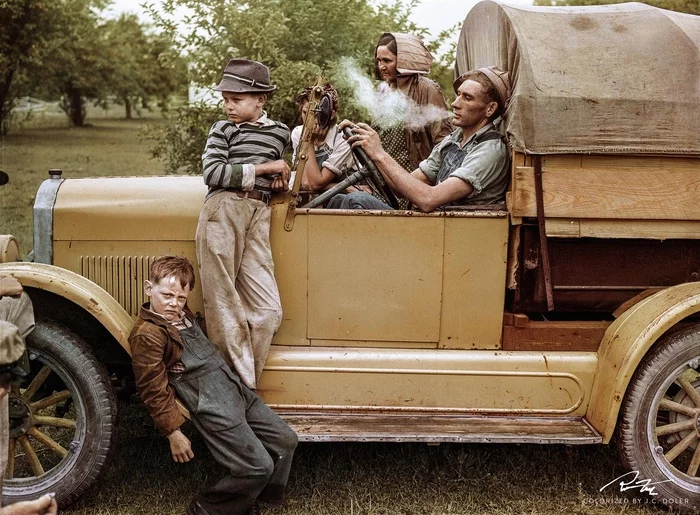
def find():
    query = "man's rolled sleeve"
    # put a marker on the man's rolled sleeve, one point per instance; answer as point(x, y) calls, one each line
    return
point(152, 381)
point(431, 165)
point(482, 166)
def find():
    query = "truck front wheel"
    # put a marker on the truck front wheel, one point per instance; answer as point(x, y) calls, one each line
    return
point(659, 432)
point(62, 419)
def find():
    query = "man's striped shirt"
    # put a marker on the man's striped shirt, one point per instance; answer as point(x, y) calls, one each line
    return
point(232, 150)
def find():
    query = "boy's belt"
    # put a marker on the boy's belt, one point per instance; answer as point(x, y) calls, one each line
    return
point(255, 195)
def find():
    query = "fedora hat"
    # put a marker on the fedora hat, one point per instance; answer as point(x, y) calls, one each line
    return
point(245, 76)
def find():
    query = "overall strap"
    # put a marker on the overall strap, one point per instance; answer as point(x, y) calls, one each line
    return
point(489, 135)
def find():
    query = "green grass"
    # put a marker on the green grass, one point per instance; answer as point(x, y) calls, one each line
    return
point(343, 478)
point(373, 478)
point(107, 147)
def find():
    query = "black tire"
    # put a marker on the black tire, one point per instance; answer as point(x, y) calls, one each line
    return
point(91, 406)
point(657, 398)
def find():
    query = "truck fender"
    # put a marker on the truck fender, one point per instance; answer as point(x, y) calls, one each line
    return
point(626, 342)
point(78, 290)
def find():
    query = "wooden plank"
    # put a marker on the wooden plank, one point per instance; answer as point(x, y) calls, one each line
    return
point(563, 228)
point(554, 336)
point(649, 229)
point(658, 162)
point(625, 193)
point(566, 161)
point(644, 229)
point(335, 427)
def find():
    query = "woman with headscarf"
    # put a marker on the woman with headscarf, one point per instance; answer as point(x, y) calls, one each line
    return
point(402, 63)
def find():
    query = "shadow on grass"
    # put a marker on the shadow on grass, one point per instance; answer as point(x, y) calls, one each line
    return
point(373, 478)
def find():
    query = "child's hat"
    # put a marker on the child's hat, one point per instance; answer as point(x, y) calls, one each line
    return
point(245, 76)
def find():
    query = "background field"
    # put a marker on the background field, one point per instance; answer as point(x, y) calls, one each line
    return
point(326, 478)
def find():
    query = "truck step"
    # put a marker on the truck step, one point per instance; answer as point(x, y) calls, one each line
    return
point(344, 427)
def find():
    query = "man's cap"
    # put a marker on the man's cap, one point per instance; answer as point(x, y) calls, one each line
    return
point(499, 78)
point(245, 76)
point(11, 343)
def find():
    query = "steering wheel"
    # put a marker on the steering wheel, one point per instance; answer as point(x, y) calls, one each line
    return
point(375, 175)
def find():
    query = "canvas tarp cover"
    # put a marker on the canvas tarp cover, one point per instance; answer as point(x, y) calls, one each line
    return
point(619, 78)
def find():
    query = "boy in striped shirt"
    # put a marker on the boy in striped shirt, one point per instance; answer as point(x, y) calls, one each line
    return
point(242, 165)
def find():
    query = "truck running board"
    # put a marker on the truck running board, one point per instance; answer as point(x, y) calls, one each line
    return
point(335, 427)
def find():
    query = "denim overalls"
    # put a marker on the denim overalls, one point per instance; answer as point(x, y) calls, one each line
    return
point(243, 434)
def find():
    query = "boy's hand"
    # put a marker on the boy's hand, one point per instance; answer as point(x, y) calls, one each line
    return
point(44, 505)
point(180, 447)
point(273, 167)
point(279, 183)
point(9, 286)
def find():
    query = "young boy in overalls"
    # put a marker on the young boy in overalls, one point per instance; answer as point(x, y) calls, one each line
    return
point(172, 355)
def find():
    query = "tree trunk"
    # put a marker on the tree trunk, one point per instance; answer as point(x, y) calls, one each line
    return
point(127, 106)
point(18, 49)
point(77, 108)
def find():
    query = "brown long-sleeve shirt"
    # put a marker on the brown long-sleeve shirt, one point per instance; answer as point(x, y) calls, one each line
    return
point(155, 348)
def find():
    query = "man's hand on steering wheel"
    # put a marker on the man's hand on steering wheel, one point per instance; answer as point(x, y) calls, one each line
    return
point(365, 138)
point(367, 146)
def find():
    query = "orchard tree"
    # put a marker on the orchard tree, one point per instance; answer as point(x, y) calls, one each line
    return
point(66, 53)
point(297, 39)
point(29, 28)
point(140, 65)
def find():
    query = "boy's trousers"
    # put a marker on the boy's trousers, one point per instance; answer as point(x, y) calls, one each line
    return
point(241, 299)
point(243, 434)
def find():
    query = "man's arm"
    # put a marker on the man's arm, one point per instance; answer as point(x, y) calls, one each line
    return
point(414, 186)
point(417, 188)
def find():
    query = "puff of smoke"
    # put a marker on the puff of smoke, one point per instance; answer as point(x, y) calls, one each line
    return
point(387, 107)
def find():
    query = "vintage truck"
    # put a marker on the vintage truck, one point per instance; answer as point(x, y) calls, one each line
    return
point(567, 315)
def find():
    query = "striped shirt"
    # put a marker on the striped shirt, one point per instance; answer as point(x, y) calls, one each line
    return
point(233, 149)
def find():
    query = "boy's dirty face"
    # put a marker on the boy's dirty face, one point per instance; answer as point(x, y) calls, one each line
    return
point(168, 297)
point(243, 107)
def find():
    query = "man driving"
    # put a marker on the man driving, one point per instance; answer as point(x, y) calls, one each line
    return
point(468, 167)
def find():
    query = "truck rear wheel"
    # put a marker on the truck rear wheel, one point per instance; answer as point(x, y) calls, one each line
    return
point(62, 419)
point(659, 433)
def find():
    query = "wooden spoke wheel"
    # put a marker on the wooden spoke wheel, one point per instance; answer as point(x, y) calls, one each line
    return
point(659, 431)
point(62, 419)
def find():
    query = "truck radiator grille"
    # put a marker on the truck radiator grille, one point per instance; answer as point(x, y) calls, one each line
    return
point(121, 276)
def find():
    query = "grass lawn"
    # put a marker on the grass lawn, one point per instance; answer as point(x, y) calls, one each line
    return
point(107, 147)
point(374, 478)
point(340, 478)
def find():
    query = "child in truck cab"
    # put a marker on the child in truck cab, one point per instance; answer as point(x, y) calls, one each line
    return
point(334, 161)
point(172, 355)
point(242, 165)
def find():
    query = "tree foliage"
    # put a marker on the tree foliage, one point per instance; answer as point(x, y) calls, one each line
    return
point(28, 27)
point(683, 6)
point(65, 49)
point(138, 67)
point(297, 39)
